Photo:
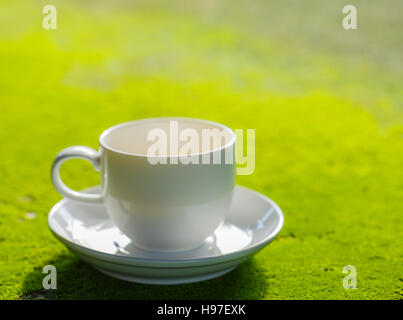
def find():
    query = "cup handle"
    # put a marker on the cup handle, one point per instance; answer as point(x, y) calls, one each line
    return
point(75, 152)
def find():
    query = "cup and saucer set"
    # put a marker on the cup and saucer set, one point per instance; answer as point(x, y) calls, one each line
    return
point(162, 217)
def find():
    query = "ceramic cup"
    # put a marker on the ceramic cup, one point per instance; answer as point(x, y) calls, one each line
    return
point(160, 201)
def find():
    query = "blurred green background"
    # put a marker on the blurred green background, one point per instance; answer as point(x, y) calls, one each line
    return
point(326, 103)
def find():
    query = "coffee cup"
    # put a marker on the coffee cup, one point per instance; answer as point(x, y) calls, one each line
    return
point(164, 195)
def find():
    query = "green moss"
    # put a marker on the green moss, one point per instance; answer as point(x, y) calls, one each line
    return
point(328, 145)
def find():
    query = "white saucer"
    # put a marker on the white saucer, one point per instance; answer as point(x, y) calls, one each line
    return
point(85, 229)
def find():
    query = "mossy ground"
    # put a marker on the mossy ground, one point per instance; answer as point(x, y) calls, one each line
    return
point(326, 105)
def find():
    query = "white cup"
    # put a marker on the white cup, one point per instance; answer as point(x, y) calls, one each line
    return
point(160, 207)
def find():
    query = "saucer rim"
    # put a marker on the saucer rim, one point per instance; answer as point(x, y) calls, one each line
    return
point(149, 262)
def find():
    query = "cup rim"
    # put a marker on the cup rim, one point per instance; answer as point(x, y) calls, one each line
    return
point(108, 131)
